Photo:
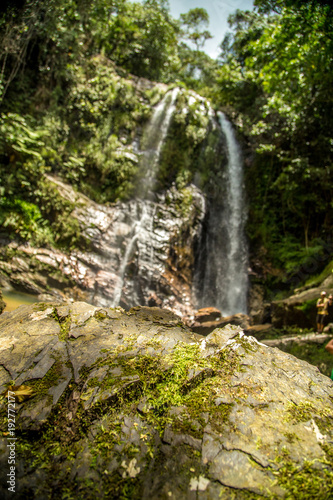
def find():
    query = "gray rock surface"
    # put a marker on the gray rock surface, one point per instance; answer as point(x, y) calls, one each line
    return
point(140, 252)
point(135, 405)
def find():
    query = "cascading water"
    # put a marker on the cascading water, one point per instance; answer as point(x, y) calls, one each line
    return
point(222, 279)
point(153, 140)
point(143, 251)
point(236, 276)
point(141, 230)
point(143, 223)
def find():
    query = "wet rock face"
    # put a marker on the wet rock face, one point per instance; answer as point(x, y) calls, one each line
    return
point(141, 252)
point(133, 404)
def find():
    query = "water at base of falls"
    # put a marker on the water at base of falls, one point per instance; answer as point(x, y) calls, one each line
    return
point(221, 279)
point(15, 299)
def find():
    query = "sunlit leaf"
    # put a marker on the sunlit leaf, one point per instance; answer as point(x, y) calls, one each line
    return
point(20, 392)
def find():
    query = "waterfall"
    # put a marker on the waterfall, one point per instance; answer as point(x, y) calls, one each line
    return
point(153, 140)
point(221, 279)
point(122, 269)
point(236, 277)
point(142, 225)
point(140, 232)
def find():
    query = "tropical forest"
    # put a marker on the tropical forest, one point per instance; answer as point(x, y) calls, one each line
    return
point(166, 224)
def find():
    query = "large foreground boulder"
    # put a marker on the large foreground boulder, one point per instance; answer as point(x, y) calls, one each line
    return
point(134, 405)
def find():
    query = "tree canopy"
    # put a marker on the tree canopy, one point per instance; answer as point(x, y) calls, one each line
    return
point(192, 21)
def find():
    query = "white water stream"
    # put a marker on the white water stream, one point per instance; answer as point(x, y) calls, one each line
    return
point(141, 232)
point(153, 139)
point(221, 277)
point(142, 226)
point(235, 279)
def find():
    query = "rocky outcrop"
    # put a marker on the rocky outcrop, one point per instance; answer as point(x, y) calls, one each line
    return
point(259, 331)
point(207, 314)
point(140, 252)
point(116, 404)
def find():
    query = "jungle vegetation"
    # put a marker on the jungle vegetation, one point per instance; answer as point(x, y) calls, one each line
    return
point(68, 107)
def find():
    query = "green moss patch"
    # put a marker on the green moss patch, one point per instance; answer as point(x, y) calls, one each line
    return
point(312, 481)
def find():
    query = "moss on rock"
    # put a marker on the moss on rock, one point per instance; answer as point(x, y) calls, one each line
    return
point(143, 408)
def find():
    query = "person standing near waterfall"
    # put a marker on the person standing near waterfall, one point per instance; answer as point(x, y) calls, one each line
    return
point(322, 311)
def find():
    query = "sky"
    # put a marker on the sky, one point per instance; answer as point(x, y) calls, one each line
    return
point(218, 11)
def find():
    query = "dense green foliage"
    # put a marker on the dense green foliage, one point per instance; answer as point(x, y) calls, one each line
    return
point(70, 106)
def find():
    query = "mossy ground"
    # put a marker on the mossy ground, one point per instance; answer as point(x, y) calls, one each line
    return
point(41, 386)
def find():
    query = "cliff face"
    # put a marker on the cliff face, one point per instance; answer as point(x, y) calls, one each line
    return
point(134, 404)
point(139, 252)
point(155, 181)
